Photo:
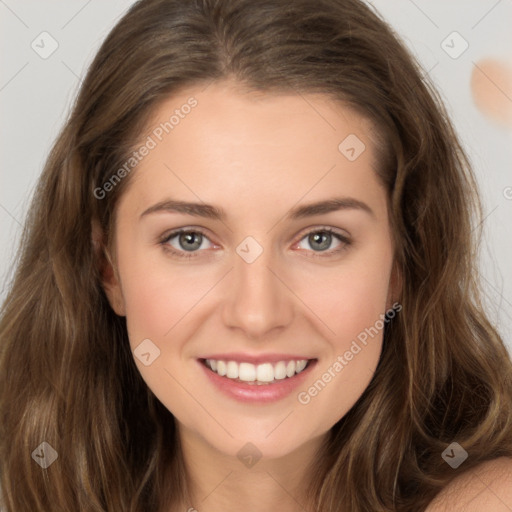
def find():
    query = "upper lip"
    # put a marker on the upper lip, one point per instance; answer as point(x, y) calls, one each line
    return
point(256, 359)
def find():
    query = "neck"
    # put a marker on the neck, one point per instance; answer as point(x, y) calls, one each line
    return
point(219, 482)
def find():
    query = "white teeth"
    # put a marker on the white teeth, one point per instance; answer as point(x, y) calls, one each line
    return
point(280, 371)
point(300, 365)
point(265, 372)
point(290, 369)
point(221, 368)
point(247, 372)
point(232, 370)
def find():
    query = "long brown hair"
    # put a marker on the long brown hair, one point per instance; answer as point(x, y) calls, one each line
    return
point(67, 375)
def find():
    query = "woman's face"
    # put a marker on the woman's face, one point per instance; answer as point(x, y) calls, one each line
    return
point(255, 279)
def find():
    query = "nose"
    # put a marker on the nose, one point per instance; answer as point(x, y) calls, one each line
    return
point(257, 298)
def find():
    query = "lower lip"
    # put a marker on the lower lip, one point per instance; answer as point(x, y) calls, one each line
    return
point(254, 393)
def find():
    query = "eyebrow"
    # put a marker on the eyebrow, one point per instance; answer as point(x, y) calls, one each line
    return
point(212, 212)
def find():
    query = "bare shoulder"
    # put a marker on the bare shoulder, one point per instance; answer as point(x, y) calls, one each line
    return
point(486, 487)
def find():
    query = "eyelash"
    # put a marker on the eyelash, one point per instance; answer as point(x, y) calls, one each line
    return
point(192, 254)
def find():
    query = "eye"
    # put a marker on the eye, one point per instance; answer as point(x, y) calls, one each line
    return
point(186, 243)
point(321, 240)
point(183, 241)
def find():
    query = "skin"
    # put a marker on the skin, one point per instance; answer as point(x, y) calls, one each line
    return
point(256, 156)
point(487, 487)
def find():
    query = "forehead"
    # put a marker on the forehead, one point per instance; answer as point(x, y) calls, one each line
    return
point(220, 143)
point(224, 115)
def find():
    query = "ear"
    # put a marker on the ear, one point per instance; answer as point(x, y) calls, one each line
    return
point(108, 273)
point(395, 285)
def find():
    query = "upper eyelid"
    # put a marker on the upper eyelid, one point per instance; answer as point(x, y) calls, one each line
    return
point(179, 231)
point(320, 228)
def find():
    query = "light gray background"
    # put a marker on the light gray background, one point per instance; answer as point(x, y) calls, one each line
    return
point(35, 95)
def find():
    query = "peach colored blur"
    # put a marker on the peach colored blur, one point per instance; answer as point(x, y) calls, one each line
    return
point(491, 86)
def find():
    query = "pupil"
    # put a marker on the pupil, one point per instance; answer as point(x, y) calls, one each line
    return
point(188, 238)
point(327, 239)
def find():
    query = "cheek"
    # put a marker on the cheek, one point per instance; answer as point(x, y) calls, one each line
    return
point(157, 294)
point(351, 304)
point(154, 304)
point(353, 311)
point(350, 298)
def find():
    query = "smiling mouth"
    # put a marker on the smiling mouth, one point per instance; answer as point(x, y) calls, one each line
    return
point(260, 374)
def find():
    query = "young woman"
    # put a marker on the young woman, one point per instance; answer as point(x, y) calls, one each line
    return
point(247, 281)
